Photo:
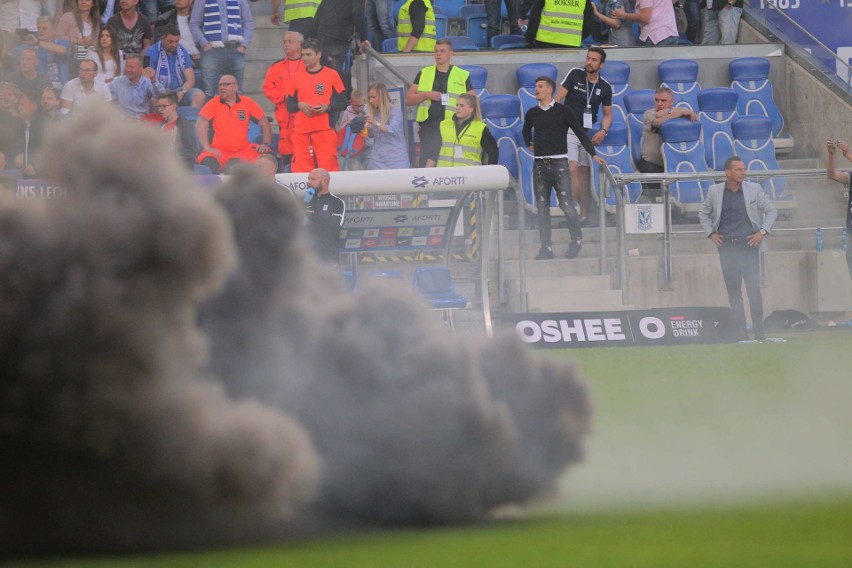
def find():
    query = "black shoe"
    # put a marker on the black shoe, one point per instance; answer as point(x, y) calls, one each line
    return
point(759, 337)
point(544, 253)
point(574, 249)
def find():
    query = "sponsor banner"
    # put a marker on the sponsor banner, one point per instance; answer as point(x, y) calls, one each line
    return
point(39, 189)
point(645, 218)
point(662, 326)
point(399, 229)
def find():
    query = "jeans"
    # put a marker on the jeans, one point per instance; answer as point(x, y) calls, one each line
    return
point(492, 12)
point(379, 22)
point(337, 56)
point(741, 263)
point(691, 7)
point(220, 61)
point(151, 8)
point(554, 174)
point(721, 26)
point(672, 40)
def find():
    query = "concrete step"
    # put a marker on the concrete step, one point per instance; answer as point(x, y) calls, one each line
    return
point(583, 301)
point(568, 284)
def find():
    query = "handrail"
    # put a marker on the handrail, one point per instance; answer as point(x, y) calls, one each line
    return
point(760, 174)
point(388, 65)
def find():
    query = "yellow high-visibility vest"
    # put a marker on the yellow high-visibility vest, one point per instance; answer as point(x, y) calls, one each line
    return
point(404, 27)
point(469, 142)
point(456, 85)
point(298, 9)
point(562, 22)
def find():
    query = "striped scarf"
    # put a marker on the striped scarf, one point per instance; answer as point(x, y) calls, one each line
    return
point(213, 20)
point(163, 75)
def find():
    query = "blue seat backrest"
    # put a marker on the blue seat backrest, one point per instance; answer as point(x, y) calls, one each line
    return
point(502, 115)
point(718, 109)
point(478, 78)
point(750, 78)
point(434, 282)
point(189, 113)
point(390, 45)
point(450, 8)
point(615, 149)
point(508, 155)
point(681, 76)
point(617, 74)
point(683, 152)
point(440, 25)
point(527, 74)
point(506, 39)
point(475, 23)
point(462, 43)
point(753, 143)
point(636, 103)
point(526, 162)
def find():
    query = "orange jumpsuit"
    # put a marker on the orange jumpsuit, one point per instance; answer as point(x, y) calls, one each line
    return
point(276, 85)
point(315, 131)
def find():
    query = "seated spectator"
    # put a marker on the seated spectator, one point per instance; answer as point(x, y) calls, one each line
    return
point(620, 32)
point(385, 125)
point(50, 103)
point(171, 67)
point(84, 90)
point(230, 114)
point(27, 77)
point(52, 52)
point(133, 91)
point(358, 158)
point(11, 127)
point(267, 164)
point(80, 28)
point(722, 22)
point(465, 139)
point(657, 17)
point(107, 56)
point(130, 29)
point(32, 135)
point(180, 131)
point(652, 140)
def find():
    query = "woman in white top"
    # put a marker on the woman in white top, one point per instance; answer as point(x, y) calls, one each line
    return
point(107, 56)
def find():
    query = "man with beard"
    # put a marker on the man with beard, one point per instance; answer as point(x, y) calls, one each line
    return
point(170, 64)
point(325, 213)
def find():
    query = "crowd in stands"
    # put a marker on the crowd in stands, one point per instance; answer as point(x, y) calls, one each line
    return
point(180, 66)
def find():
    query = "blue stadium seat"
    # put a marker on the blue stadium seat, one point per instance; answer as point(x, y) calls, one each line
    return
point(617, 74)
point(615, 149)
point(508, 155)
point(395, 6)
point(188, 112)
point(475, 23)
point(636, 103)
point(349, 280)
point(502, 115)
point(201, 170)
point(718, 109)
point(440, 25)
point(508, 40)
point(478, 78)
point(462, 43)
point(525, 176)
point(527, 74)
point(390, 45)
point(753, 143)
point(436, 284)
point(750, 78)
point(683, 152)
point(450, 8)
point(681, 76)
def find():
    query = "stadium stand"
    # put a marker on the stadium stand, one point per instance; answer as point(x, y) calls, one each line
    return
point(681, 76)
point(718, 109)
point(683, 152)
point(475, 23)
point(527, 74)
point(508, 41)
point(615, 149)
point(502, 115)
point(478, 78)
point(754, 144)
point(617, 74)
point(750, 79)
point(462, 43)
point(636, 103)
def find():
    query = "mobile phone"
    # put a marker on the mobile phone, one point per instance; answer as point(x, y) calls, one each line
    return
point(146, 61)
point(23, 32)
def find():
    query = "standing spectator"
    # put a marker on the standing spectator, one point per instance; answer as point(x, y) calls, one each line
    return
point(652, 141)
point(152, 9)
point(179, 16)
point(416, 29)
point(223, 29)
point(108, 58)
point(27, 77)
point(354, 116)
point(133, 91)
point(620, 31)
point(80, 28)
point(380, 21)
point(337, 21)
point(171, 67)
point(545, 132)
point(555, 24)
point(109, 8)
point(298, 15)
point(84, 90)
point(277, 84)
point(386, 129)
point(736, 216)
point(435, 91)
point(315, 92)
point(693, 19)
point(465, 139)
point(130, 29)
point(230, 115)
point(325, 213)
point(33, 133)
point(844, 177)
point(180, 132)
point(494, 18)
point(18, 15)
point(584, 91)
point(11, 127)
point(52, 52)
point(722, 22)
point(659, 26)
point(50, 103)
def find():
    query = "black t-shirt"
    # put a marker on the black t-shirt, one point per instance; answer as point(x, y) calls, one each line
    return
point(325, 215)
point(131, 40)
point(436, 109)
point(577, 85)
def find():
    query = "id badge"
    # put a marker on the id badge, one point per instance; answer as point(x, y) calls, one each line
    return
point(445, 99)
point(587, 120)
point(457, 152)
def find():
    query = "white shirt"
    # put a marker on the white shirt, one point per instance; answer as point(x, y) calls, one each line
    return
point(186, 39)
point(73, 91)
point(19, 14)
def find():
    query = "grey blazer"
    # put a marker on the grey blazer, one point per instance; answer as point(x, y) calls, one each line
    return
point(761, 211)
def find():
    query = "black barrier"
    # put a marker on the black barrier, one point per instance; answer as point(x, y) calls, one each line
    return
point(662, 326)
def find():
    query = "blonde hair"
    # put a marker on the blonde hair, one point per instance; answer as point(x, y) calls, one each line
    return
point(384, 102)
point(473, 101)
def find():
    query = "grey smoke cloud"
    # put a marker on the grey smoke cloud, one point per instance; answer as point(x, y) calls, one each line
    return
point(178, 369)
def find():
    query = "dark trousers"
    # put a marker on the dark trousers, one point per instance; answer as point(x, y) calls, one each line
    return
point(650, 189)
point(430, 142)
point(741, 262)
point(304, 26)
point(338, 57)
point(492, 12)
point(554, 174)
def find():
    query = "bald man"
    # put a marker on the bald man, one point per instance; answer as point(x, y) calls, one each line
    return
point(325, 213)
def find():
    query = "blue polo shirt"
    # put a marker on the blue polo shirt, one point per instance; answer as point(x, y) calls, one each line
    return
point(133, 99)
point(171, 81)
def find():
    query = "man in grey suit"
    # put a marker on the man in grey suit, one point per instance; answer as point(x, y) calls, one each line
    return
point(736, 216)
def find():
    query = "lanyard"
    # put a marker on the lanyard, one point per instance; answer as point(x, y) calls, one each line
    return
point(459, 135)
point(589, 93)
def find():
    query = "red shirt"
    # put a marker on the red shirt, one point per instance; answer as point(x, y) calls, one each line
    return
point(315, 89)
point(231, 123)
point(276, 85)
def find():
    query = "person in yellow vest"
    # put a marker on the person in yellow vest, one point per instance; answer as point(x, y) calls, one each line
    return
point(435, 91)
point(298, 15)
point(556, 24)
point(416, 29)
point(465, 139)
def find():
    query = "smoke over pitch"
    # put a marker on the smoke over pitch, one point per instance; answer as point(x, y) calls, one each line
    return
point(178, 370)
